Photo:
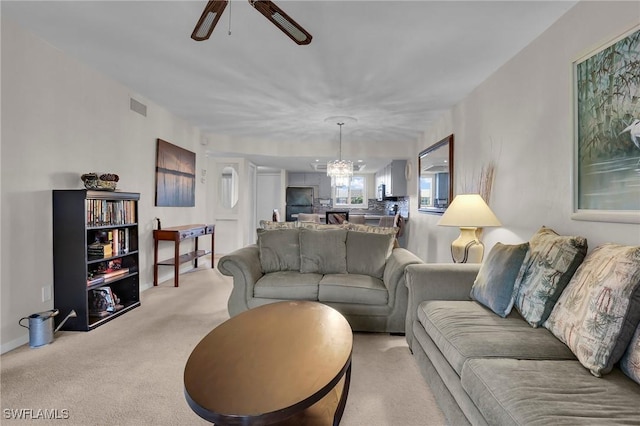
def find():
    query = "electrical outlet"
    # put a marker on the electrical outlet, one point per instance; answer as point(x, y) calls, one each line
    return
point(46, 293)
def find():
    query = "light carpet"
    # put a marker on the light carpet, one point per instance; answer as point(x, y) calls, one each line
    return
point(130, 370)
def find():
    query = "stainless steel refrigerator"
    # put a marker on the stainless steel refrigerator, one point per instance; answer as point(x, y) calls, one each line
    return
point(299, 200)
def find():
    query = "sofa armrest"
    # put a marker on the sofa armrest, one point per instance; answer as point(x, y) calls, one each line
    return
point(393, 278)
point(394, 269)
point(245, 268)
point(436, 281)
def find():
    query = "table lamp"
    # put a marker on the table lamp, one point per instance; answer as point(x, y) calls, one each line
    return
point(468, 212)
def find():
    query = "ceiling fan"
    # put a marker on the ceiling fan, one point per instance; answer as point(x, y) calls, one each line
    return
point(214, 8)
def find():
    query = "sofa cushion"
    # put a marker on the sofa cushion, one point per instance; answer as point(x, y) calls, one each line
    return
point(279, 250)
point(599, 310)
point(547, 268)
point(630, 362)
point(466, 329)
point(323, 252)
point(367, 253)
point(509, 391)
point(288, 285)
point(352, 288)
point(494, 285)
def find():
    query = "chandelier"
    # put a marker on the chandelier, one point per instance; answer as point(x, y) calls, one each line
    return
point(340, 171)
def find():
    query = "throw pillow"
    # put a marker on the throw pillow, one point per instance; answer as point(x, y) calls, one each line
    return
point(279, 249)
point(323, 252)
point(321, 226)
point(550, 263)
point(630, 362)
point(599, 310)
point(372, 229)
point(267, 224)
point(495, 283)
point(367, 253)
point(376, 230)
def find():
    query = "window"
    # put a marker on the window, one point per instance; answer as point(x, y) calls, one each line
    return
point(353, 195)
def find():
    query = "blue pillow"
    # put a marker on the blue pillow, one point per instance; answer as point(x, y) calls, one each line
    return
point(496, 279)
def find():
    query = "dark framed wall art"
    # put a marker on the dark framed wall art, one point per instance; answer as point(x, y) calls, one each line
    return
point(607, 132)
point(175, 176)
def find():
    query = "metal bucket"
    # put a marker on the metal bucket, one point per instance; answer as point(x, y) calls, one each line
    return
point(40, 327)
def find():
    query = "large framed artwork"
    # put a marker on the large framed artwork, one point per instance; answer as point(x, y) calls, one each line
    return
point(175, 176)
point(607, 132)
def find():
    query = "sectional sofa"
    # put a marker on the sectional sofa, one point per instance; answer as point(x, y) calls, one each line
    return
point(540, 333)
point(356, 269)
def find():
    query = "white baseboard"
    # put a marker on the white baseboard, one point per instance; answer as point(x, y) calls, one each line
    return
point(9, 346)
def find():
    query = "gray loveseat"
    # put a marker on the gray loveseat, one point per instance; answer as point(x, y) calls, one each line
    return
point(353, 268)
point(488, 369)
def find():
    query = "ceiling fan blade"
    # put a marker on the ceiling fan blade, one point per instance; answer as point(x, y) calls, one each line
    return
point(210, 16)
point(283, 21)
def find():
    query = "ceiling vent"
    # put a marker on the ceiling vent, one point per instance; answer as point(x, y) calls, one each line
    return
point(319, 167)
point(138, 107)
point(322, 167)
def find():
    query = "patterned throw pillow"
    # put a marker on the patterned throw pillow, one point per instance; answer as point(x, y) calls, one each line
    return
point(267, 224)
point(630, 362)
point(550, 263)
point(494, 285)
point(279, 249)
point(373, 229)
point(599, 310)
point(321, 226)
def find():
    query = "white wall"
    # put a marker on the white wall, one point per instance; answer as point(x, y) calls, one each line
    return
point(268, 193)
point(61, 119)
point(521, 117)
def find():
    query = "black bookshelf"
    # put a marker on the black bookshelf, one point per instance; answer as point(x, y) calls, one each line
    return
point(95, 251)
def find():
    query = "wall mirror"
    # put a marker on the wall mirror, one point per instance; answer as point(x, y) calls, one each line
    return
point(228, 187)
point(435, 177)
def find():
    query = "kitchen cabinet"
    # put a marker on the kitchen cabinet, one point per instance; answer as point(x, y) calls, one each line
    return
point(393, 177)
point(320, 182)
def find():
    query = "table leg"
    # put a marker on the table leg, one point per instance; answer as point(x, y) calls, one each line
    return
point(195, 259)
point(213, 243)
point(176, 261)
point(343, 398)
point(155, 261)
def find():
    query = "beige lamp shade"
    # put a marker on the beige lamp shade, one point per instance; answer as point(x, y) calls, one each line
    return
point(468, 212)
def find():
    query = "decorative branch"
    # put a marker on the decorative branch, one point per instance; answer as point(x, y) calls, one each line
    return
point(486, 180)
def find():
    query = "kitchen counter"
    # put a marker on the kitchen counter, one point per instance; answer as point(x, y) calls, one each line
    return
point(366, 216)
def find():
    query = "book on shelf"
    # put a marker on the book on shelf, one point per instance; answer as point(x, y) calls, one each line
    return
point(111, 274)
point(110, 270)
point(120, 241)
point(110, 212)
point(95, 280)
point(99, 250)
point(109, 243)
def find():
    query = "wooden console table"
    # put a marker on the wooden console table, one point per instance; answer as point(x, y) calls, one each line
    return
point(177, 234)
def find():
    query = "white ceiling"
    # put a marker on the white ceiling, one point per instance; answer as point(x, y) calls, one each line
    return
point(394, 65)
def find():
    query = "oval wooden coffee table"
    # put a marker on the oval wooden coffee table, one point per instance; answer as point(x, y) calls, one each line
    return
point(286, 362)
